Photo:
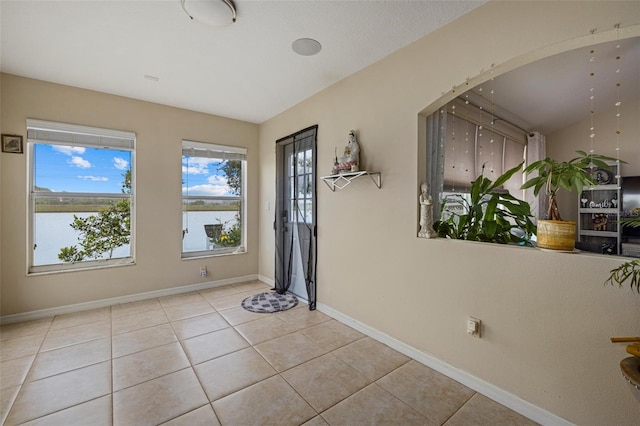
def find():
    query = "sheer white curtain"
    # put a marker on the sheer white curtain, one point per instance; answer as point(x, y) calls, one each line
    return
point(536, 150)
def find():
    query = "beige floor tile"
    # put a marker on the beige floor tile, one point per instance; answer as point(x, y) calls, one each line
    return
point(201, 324)
point(332, 334)
point(68, 336)
point(229, 373)
point(14, 371)
point(142, 366)
point(238, 315)
point(325, 381)
point(215, 292)
point(316, 421)
point(96, 412)
point(229, 301)
point(189, 310)
point(430, 393)
point(20, 347)
point(288, 351)
point(134, 307)
point(80, 318)
point(7, 397)
point(301, 317)
point(125, 323)
point(372, 406)
point(203, 416)
point(181, 299)
point(270, 402)
point(70, 358)
point(46, 396)
point(371, 358)
point(264, 329)
point(23, 329)
point(481, 411)
point(158, 400)
point(212, 345)
point(140, 340)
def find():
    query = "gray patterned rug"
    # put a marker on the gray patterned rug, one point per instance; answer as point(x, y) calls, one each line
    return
point(264, 303)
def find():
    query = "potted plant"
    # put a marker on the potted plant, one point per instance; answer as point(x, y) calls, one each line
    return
point(487, 214)
point(554, 232)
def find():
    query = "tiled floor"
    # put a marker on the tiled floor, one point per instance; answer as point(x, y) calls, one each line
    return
point(200, 359)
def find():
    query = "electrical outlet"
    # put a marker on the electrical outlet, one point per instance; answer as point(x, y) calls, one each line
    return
point(473, 326)
point(203, 271)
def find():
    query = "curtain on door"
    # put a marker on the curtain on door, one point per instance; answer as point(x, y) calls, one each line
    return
point(296, 210)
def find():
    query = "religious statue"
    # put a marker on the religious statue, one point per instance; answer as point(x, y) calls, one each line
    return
point(350, 161)
point(426, 213)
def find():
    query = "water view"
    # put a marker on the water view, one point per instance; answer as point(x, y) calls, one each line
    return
point(53, 231)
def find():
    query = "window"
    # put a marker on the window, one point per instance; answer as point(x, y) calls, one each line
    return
point(81, 196)
point(463, 142)
point(213, 199)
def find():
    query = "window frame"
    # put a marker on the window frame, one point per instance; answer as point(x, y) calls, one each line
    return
point(233, 153)
point(96, 138)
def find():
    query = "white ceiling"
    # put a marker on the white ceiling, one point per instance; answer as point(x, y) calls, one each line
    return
point(555, 92)
point(245, 70)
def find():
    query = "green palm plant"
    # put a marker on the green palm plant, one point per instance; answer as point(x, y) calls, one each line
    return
point(570, 175)
point(489, 214)
point(628, 271)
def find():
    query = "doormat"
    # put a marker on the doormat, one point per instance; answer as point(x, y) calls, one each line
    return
point(265, 303)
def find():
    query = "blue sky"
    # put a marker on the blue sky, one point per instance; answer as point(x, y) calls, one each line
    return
point(80, 169)
point(201, 176)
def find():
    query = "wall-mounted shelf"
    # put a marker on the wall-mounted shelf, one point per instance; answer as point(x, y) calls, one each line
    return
point(344, 179)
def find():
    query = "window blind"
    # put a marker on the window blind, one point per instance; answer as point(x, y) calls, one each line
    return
point(40, 131)
point(209, 150)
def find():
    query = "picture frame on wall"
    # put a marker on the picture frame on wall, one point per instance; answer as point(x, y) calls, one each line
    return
point(12, 144)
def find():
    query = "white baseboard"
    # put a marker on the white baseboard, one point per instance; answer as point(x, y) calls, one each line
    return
point(267, 280)
point(493, 392)
point(95, 304)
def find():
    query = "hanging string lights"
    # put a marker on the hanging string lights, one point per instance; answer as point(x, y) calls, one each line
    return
point(618, 102)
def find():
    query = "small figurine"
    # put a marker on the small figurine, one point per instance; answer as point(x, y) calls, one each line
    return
point(426, 213)
point(600, 222)
point(350, 162)
point(614, 201)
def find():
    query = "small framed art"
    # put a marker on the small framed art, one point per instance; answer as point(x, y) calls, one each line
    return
point(12, 143)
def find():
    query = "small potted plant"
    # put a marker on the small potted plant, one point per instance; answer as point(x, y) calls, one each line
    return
point(554, 232)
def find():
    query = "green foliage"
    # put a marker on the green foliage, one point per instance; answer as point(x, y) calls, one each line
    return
point(102, 233)
point(231, 237)
point(489, 216)
point(628, 271)
point(571, 175)
point(233, 170)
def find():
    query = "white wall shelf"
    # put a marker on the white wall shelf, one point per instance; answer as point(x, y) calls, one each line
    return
point(342, 180)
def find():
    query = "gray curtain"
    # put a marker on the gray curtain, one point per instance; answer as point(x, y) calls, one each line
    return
point(436, 135)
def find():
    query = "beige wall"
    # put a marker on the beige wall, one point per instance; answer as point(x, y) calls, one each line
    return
point(159, 131)
point(547, 316)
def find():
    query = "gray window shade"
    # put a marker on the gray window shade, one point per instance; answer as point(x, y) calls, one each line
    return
point(208, 150)
point(40, 131)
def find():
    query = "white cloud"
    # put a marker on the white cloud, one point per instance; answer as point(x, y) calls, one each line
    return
point(206, 189)
point(94, 178)
point(120, 163)
point(80, 162)
point(69, 150)
point(198, 165)
point(217, 180)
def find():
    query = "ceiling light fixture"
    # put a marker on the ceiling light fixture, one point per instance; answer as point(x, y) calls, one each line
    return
point(306, 46)
point(210, 12)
